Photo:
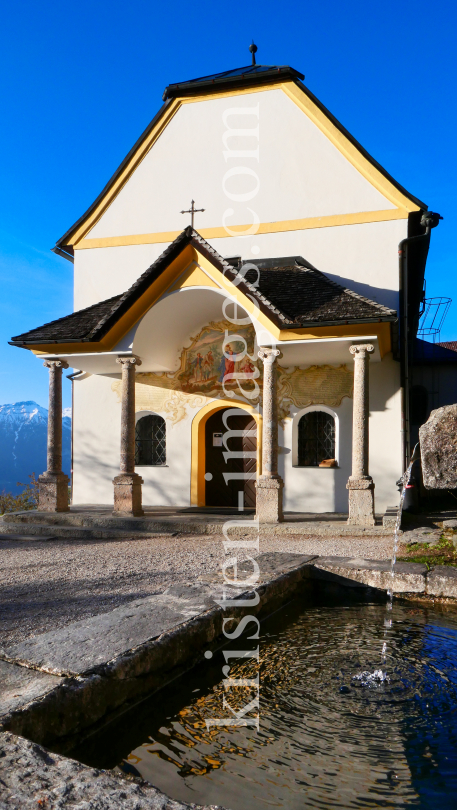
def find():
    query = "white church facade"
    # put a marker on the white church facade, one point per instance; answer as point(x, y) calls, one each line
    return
point(282, 315)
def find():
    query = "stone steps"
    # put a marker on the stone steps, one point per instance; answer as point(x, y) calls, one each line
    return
point(104, 526)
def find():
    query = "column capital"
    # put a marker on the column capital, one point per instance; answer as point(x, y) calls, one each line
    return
point(131, 359)
point(361, 349)
point(268, 355)
point(57, 363)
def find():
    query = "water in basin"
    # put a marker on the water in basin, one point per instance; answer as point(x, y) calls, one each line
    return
point(338, 727)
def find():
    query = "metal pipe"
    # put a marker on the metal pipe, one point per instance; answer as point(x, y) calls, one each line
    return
point(429, 220)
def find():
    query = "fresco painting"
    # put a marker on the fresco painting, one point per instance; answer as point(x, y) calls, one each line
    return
point(219, 353)
point(213, 356)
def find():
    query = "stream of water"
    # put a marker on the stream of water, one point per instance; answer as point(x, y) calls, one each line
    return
point(380, 675)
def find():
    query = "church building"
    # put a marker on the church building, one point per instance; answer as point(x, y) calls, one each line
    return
point(242, 322)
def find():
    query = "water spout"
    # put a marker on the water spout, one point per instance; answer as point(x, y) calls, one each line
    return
point(406, 477)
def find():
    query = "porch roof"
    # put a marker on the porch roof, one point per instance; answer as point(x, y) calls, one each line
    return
point(290, 291)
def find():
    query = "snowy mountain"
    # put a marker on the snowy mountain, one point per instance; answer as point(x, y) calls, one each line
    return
point(23, 434)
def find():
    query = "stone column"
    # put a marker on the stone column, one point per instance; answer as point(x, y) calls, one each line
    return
point(53, 484)
point(270, 484)
point(360, 483)
point(127, 485)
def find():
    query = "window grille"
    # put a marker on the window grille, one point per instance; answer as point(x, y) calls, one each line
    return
point(150, 441)
point(316, 438)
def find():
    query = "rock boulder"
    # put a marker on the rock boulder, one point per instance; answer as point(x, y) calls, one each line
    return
point(438, 445)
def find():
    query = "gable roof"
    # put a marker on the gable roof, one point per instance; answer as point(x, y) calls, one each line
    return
point(240, 78)
point(290, 292)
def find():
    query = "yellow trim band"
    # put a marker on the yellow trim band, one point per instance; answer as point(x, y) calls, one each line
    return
point(308, 223)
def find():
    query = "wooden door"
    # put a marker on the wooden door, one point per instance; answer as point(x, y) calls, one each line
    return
point(218, 490)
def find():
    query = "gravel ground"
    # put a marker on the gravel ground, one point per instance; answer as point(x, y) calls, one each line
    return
point(48, 584)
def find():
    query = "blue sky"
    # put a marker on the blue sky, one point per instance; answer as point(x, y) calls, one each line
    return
point(81, 81)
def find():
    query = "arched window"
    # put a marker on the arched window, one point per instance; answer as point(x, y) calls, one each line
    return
point(150, 441)
point(316, 438)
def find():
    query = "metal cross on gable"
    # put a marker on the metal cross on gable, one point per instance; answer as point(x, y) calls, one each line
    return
point(192, 210)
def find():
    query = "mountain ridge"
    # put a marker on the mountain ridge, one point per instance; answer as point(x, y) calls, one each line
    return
point(23, 442)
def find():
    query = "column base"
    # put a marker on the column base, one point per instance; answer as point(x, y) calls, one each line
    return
point(127, 495)
point(269, 499)
point(53, 492)
point(361, 501)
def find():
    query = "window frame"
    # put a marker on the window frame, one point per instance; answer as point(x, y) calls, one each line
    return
point(296, 420)
point(140, 415)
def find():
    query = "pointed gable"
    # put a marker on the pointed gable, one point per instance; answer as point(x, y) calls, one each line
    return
point(312, 171)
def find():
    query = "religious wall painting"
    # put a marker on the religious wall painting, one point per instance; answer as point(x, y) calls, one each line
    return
point(221, 361)
point(218, 359)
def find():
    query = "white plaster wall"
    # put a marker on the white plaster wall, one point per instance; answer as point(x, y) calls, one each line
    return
point(363, 257)
point(97, 418)
point(96, 440)
point(101, 273)
point(97, 415)
point(316, 489)
point(385, 431)
point(324, 490)
point(301, 173)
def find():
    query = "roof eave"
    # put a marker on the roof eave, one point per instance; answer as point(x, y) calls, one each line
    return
point(189, 88)
point(68, 254)
point(341, 322)
point(24, 344)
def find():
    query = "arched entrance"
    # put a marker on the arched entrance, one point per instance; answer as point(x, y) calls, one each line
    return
point(198, 464)
point(230, 459)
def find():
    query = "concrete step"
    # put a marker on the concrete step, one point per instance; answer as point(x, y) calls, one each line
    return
point(37, 531)
point(81, 520)
point(98, 526)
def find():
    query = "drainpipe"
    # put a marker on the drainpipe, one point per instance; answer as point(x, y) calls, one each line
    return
point(429, 220)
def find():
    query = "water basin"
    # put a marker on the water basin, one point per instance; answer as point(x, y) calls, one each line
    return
point(337, 729)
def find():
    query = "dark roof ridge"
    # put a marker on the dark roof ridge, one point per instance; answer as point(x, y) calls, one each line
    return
point(382, 307)
point(243, 282)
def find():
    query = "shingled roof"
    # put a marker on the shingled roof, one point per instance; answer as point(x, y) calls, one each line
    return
point(290, 291)
point(72, 328)
point(307, 297)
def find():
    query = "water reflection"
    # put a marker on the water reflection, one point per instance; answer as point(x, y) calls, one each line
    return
point(330, 737)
